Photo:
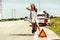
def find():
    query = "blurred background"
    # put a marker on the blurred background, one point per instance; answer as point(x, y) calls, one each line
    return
point(17, 8)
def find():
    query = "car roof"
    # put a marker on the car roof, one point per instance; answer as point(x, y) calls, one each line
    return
point(40, 13)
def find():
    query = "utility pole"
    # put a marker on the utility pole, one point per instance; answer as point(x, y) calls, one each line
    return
point(13, 13)
point(39, 5)
point(1, 10)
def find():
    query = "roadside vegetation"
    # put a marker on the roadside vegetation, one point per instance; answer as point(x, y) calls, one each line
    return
point(55, 25)
point(11, 19)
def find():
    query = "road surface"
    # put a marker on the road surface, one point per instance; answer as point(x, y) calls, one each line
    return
point(20, 30)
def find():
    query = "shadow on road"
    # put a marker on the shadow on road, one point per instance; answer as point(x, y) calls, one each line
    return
point(22, 35)
point(40, 26)
point(56, 39)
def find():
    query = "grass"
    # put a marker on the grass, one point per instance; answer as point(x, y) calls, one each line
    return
point(55, 25)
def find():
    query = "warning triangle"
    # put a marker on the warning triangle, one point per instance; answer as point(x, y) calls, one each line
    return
point(42, 34)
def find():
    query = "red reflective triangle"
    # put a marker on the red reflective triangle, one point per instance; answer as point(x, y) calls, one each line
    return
point(42, 34)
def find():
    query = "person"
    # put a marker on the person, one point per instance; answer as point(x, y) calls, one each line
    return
point(33, 17)
point(46, 17)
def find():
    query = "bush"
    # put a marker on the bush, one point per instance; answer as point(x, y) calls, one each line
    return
point(26, 17)
point(22, 18)
point(51, 17)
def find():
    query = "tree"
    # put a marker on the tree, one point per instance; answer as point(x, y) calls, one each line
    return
point(26, 17)
point(51, 16)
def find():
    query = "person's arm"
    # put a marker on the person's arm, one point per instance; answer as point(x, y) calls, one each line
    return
point(28, 8)
point(47, 15)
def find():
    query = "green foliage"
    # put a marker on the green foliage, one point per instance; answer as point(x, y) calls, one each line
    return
point(26, 17)
point(55, 25)
point(22, 18)
point(51, 17)
point(12, 19)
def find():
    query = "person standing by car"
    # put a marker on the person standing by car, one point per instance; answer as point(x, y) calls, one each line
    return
point(46, 17)
point(33, 18)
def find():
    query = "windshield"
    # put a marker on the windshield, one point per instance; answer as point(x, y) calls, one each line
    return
point(41, 15)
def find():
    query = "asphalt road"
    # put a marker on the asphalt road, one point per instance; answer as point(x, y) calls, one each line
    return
point(20, 30)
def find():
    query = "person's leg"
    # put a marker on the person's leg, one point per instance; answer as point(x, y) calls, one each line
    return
point(32, 24)
point(34, 27)
point(38, 26)
point(46, 21)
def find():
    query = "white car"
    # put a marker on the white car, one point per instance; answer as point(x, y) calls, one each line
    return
point(41, 18)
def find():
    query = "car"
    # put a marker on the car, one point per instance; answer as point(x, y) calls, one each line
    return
point(41, 18)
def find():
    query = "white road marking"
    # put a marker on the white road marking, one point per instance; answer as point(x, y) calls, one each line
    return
point(35, 36)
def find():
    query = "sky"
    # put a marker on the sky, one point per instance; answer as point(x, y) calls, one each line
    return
point(18, 7)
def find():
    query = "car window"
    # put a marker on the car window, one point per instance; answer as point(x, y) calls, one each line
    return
point(41, 15)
